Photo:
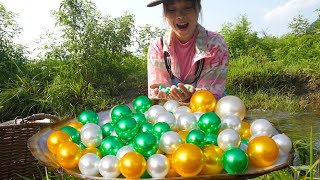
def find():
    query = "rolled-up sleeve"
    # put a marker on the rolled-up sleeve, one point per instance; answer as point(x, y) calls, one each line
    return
point(214, 73)
point(157, 72)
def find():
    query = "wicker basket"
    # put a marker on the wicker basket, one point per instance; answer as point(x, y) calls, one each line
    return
point(16, 160)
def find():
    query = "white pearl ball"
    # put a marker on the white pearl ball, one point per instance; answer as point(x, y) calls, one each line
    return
point(230, 105)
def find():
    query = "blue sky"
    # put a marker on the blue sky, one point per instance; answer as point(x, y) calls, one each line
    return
point(271, 16)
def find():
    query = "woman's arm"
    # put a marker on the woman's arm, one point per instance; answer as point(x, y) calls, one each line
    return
point(214, 73)
point(157, 72)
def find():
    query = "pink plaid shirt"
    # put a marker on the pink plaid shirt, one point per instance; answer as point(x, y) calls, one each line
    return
point(209, 45)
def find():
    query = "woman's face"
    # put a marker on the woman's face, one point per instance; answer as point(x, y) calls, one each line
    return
point(182, 17)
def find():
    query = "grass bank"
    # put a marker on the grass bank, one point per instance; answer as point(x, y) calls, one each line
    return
point(275, 85)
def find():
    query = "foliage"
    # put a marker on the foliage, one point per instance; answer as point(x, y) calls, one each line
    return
point(239, 36)
point(11, 54)
point(144, 35)
point(84, 69)
point(299, 25)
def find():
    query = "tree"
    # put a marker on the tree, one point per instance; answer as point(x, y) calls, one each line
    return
point(144, 36)
point(239, 36)
point(299, 25)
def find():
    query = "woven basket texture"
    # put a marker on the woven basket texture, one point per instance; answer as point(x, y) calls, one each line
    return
point(16, 160)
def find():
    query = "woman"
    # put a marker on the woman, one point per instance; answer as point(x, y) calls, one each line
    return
point(188, 57)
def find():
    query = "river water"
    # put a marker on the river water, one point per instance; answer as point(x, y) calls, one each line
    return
point(297, 126)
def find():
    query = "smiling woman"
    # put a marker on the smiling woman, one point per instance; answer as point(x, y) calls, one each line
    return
point(188, 57)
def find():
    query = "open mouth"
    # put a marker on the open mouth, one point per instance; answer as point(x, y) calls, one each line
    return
point(183, 26)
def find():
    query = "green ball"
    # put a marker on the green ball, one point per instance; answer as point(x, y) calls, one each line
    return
point(235, 161)
point(88, 116)
point(81, 145)
point(209, 122)
point(196, 137)
point(159, 128)
point(145, 175)
point(146, 144)
point(139, 117)
point(110, 145)
point(141, 104)
point(245, 141)
point(211, 139)
point(120, 111)
point(74, 134)
point(107, 129)
point(126, 128)
point(146, 127)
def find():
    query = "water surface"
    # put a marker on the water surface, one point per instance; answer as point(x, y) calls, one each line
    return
point(295, 125)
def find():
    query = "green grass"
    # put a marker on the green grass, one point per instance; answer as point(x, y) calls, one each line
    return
point(272, 85)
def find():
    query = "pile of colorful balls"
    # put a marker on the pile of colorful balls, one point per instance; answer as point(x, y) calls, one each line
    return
point(143, 140)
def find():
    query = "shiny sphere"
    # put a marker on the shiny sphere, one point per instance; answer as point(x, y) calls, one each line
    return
point(169, 142)
point(104, 117)
point(107, 129)
point(73, 132)
point(126, 128)
point(109, 166)
point(89, 164)
point(92, 150)
point(211, 139)
point(76, 124)
point(183, 109)
point(91, 135)
point(168, 118)
point(88, 116)
point(171, 105)
point(261, 127)
point(186, 121)
point(177, 114)
point(68, 155)
point(120, 111)
point(139, 117)
point(132, 165)
point(245, 132)
point(228, 139)
point(202, 101)
point(124, 150)
point(158, 166)
point(284, 143)
point(209, 122)
point(196, 137)
point(231, 122)
point(110, 145)
point(146, 127)
point(213, 164)
point(188, 160)
point(235, 161)
point(141, 104)
point(230, 105)
point(263, 151)
point(183, 134)
point(171, 172)
point(153, 112)
point(198, 115)
point(159, 128)
point(146, 144)
point(55, 139)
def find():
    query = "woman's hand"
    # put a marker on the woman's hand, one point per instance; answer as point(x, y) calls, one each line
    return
point(182, 95)
point(157, 92)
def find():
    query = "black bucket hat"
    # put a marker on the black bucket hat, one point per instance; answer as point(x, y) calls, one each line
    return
point(154, 3)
